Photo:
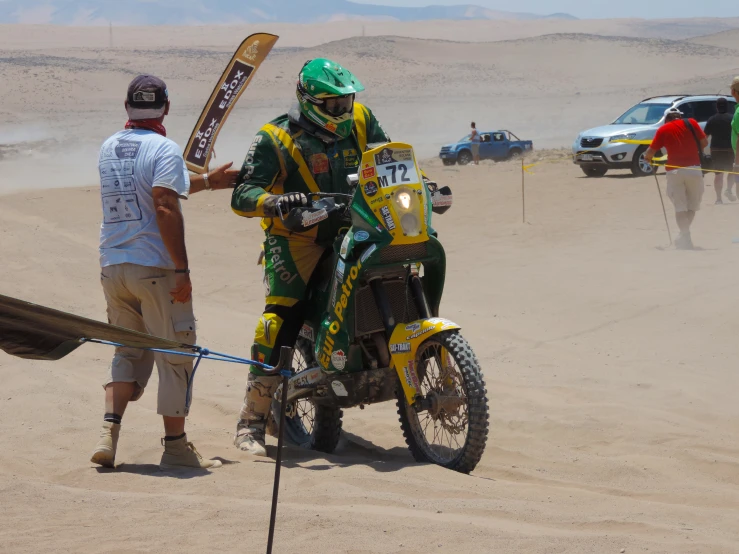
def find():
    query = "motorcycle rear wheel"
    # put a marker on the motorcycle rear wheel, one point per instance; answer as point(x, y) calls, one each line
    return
point(454, 433)
point(313, 426)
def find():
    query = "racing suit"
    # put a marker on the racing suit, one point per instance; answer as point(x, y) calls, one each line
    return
point(287, 155)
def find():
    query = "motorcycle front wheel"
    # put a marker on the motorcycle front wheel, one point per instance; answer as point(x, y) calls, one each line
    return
point(309, 425)
point(449, 425)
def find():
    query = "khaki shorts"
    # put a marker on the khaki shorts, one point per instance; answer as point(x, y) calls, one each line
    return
point(475, 146)
point(138, 298)
point(685, 188)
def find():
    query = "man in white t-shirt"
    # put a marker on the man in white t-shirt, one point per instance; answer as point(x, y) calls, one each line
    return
point(145, 273)
point(475, 144)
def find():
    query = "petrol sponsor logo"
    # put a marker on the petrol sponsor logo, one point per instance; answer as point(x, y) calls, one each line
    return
point(370, 188)
point(387, 216)
point(339, 305)
point(361, 236)
point(278, 263)
point(368, 173)
point(400, 348)
point(319, 163)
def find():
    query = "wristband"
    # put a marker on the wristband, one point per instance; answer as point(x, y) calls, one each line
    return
point(207, 183)
point(185, 271)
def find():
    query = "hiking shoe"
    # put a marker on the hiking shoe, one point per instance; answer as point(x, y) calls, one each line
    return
point(104, 453)
point(719, 201)
point(730, 196)
point(251, 440)
point(180, 453)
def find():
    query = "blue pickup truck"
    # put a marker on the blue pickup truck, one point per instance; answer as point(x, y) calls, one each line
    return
point(494, 145)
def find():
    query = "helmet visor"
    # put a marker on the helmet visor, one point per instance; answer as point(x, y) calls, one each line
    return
point(337, 106)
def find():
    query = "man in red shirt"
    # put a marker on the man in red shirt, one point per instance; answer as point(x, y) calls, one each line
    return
point(684, 175)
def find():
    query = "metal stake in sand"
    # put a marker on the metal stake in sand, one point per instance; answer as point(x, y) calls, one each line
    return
point(659, 190)
point(283, 368)
point(523, 190)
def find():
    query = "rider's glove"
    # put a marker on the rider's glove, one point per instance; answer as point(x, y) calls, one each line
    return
point(285, 202)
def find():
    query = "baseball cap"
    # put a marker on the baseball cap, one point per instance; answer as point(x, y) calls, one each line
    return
point(735, 84)
point(673, 111)
point(147, 98)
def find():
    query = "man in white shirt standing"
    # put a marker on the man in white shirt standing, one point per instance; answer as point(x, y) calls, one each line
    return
point(475, 146)
point(145, 273)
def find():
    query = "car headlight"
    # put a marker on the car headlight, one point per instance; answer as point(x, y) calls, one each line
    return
point(628, 136)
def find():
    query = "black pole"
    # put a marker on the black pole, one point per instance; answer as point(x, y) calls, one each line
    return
point(286, 354)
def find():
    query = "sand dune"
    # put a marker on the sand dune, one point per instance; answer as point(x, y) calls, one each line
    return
point(609, 358)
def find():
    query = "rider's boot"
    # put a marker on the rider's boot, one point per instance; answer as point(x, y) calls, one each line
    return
point(254, 414)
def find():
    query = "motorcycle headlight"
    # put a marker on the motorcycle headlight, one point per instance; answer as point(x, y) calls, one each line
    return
point(408, 207)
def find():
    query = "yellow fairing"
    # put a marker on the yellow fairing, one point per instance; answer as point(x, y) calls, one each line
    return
point(404, 344)
point(392, 186)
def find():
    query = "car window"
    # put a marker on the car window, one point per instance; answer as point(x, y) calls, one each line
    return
point(705, 110)
point(465, 138)
point(643, 114)
point(498, 137)
point(485, 138)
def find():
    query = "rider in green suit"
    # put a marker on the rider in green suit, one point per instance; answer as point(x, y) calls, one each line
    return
point(312, 148)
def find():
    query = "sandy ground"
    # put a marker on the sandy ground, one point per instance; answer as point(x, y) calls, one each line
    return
point(609, 363)
point(609, 358)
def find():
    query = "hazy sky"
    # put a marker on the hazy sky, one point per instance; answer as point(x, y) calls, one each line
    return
point(594, 8)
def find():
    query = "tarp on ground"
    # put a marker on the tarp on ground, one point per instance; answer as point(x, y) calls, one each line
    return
point(36, 332)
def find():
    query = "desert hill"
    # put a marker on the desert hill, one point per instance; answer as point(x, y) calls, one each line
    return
point(190, 12)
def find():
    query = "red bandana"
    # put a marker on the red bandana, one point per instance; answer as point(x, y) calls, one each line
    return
point(148, 124)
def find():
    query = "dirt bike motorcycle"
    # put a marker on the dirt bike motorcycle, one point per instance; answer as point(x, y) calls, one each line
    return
point(372, 330)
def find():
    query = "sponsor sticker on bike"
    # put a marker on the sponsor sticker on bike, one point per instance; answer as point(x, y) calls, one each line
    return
point(311, 218)
point(307, 333)
point(420, 333)
point(439, 200)
point(361, 236)
point(388, 218)
point(344, 246)
point(413, 327)
point(339, 388)
point(368, 173)
point(338, 359)
point(370, 188)
point(340, 268)
point(400, 348)
point(367, 253)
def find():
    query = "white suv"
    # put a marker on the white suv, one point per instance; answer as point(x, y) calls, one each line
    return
point(596, 152)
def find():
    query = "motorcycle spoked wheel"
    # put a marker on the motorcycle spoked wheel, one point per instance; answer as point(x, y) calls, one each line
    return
point(309, 425)
point(454, 431)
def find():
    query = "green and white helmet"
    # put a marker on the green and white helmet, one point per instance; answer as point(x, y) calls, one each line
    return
point(326, 96)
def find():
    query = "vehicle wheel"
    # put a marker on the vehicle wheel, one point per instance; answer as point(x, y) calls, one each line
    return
point(594, 170)
point(448, 162)
point(639, 166)
point(514, 154)
point(464, 158)
point(453, 430)
point(310, 425)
